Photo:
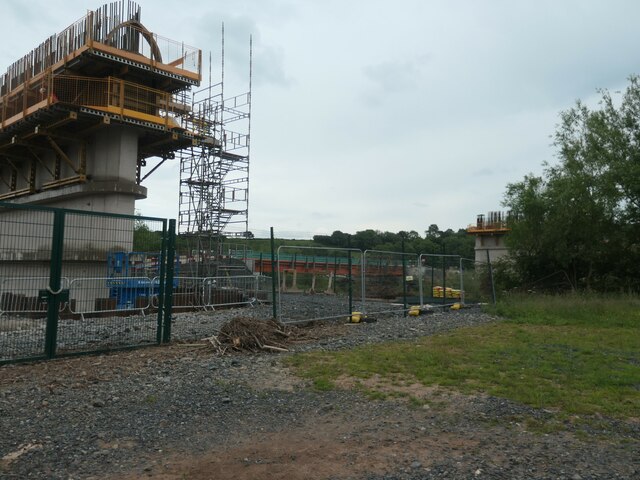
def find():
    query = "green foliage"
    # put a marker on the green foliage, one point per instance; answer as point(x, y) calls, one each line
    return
point(263, 245)
point(434, 241)
point(574, 354)
point(144, 240)
point(577, 309)
point(581, 222)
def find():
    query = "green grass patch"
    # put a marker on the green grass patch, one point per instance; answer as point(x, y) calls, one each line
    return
point(579, 309)
point(576, 355)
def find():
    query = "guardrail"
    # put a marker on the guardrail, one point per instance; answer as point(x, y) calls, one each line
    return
point(99, 295)
point(235, 290)
point(107, 94)
point(211, 292)
point(109, 28)
point(26, 294)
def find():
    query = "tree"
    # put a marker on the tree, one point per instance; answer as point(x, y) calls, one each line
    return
point(459, 243)
point(144, 240)
point(433, 232)
point(582, 218)
point(336, 239)
point(366, 239)
point(456, 243)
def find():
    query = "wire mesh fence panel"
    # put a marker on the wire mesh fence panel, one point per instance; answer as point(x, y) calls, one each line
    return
point(94, 296)
point(188, 293)
point(391, 281)
point(113, 263)
point(440, 279)
point(112, 331)
point(264, 291)
point(477, 281)
point(25, 252)
point(316, 283)
point(231, 290)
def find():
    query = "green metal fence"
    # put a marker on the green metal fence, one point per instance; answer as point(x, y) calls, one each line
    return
point(441, 279)
point(391, 281)
point(317, 283)
point(74, 282)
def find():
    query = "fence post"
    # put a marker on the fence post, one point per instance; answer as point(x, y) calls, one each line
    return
point(161, 281)
point(168, 289)
point(462, 295)
point(444, 276)
point(273, 276)
point(54, 290)
point(420, 280)
point(404, 280)
point(350, 278)
point(335, 272)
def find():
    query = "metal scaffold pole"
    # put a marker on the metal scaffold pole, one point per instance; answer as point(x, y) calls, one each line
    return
point(214, 172)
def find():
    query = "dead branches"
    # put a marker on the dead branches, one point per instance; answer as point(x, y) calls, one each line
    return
point(252, 335)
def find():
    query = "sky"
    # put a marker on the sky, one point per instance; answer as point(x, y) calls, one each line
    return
point(376, 114)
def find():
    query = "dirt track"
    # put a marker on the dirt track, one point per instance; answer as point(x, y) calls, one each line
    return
point(179, 412)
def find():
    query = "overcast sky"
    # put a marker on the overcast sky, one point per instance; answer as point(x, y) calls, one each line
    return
point(378, 114)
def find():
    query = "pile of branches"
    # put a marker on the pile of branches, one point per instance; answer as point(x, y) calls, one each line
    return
point(253, 335)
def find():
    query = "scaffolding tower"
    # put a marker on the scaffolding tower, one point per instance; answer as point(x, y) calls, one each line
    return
point(214, 171)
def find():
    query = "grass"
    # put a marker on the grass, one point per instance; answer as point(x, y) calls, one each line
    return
point(575, 355)
point(582, 310)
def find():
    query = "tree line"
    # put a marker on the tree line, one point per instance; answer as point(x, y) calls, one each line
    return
point(578, 225)
point(434, 241)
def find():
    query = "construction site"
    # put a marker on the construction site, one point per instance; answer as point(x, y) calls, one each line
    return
point(90, 113)
point(85, 118)
point(179, 346)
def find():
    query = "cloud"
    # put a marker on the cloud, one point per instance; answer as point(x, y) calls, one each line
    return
point(371, 115)
point(484, 172)
point(395, 76)
point(268, 59)
point(269, 66)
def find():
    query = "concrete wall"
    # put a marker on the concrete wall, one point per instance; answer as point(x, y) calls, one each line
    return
point(27, 235)
point(495, 244)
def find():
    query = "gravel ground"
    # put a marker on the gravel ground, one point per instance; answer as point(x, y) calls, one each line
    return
point(24, 337)
point(179, 411)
